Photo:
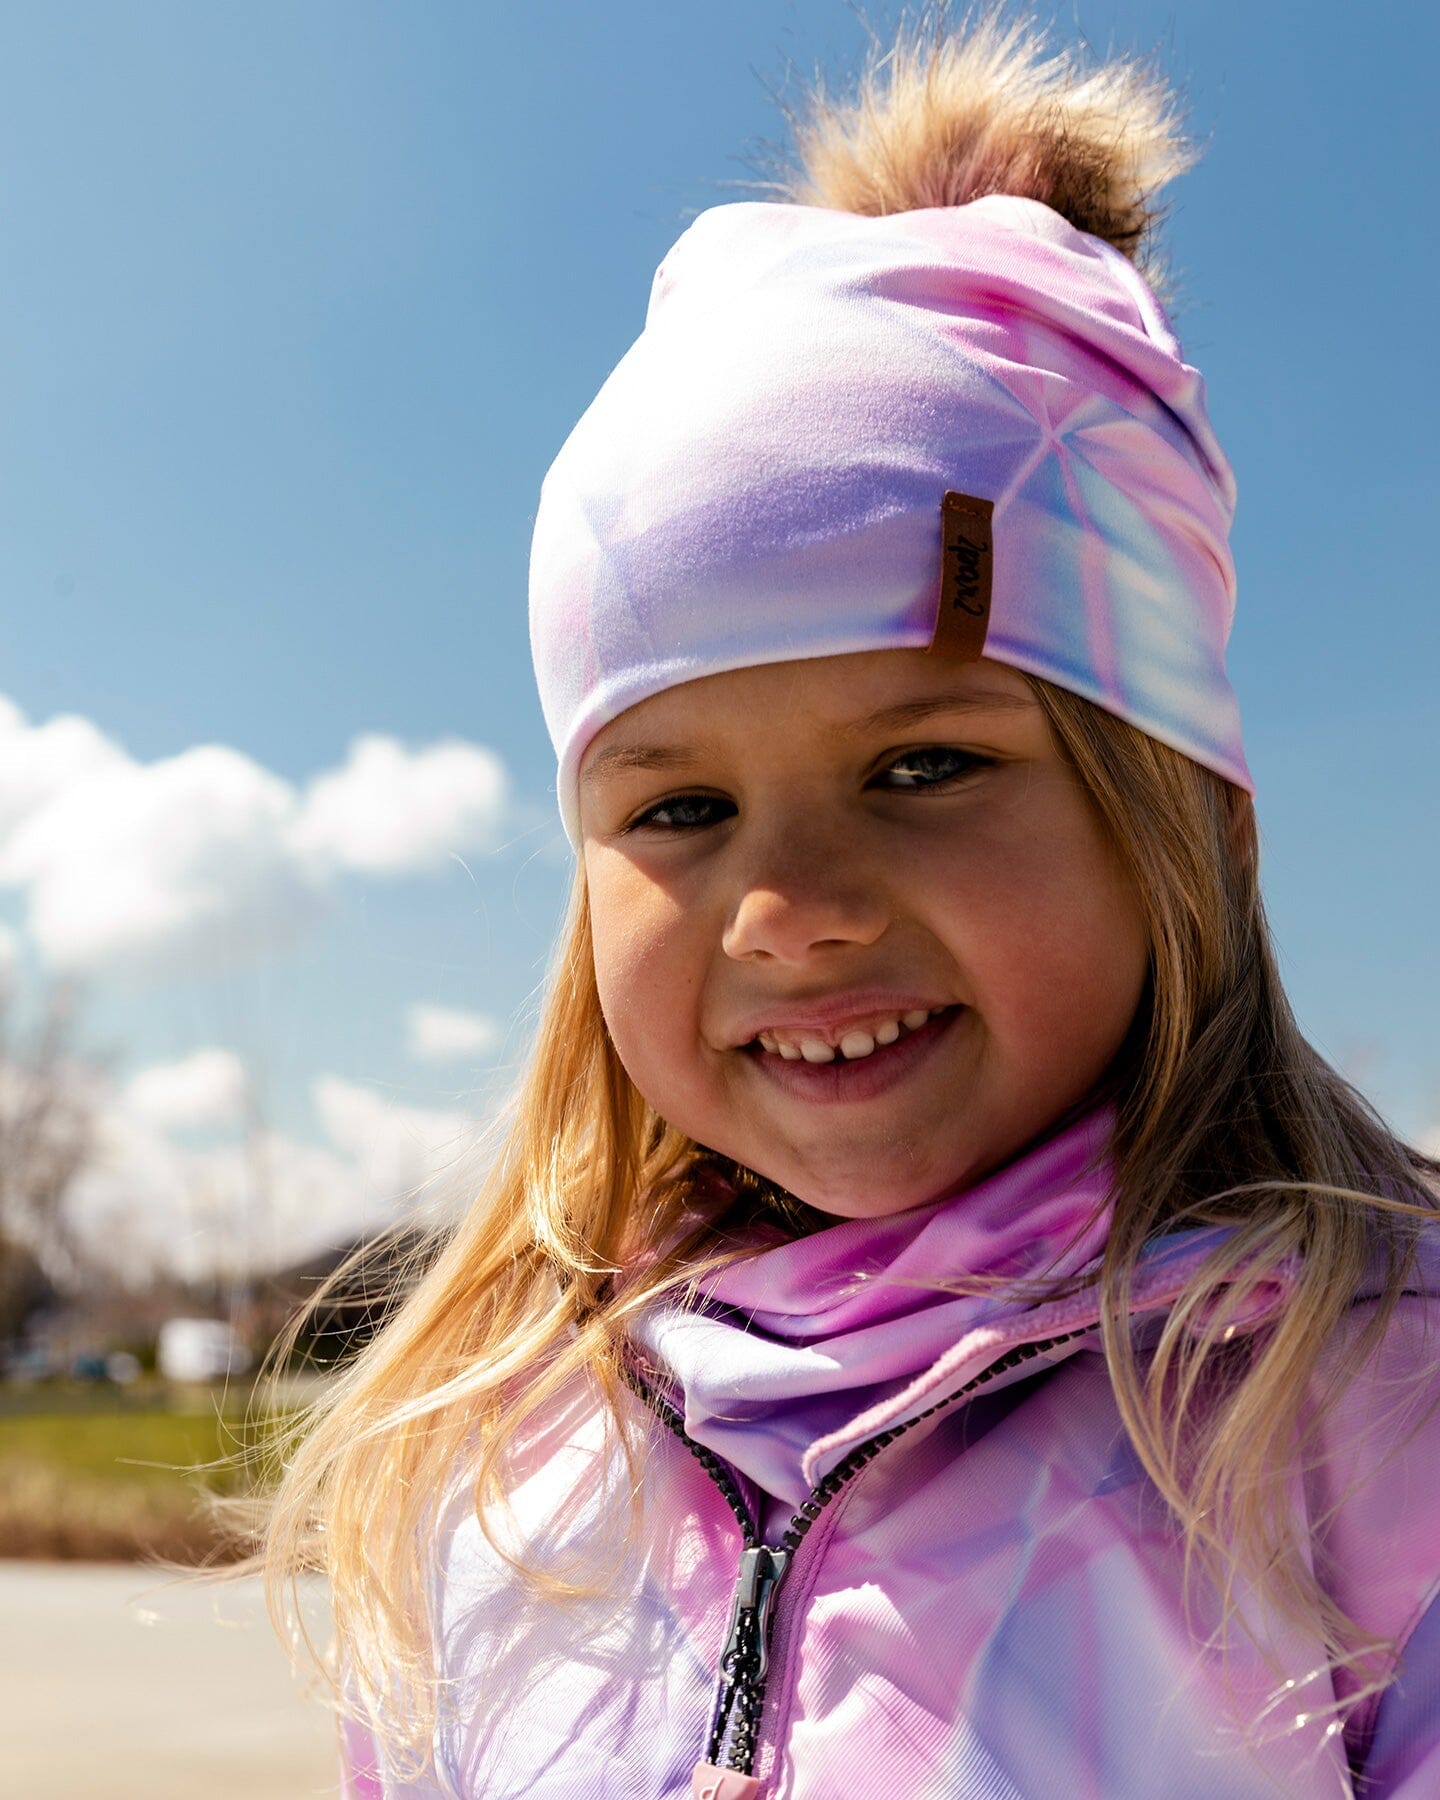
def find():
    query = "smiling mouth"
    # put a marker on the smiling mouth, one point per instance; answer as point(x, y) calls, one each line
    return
point(854, 1044)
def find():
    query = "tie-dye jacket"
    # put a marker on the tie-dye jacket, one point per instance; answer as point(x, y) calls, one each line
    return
point(990, 1609)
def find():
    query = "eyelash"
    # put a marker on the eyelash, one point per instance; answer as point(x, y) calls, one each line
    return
point(650, 817)
point(969, 762)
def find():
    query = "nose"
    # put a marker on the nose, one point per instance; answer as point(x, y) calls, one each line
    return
point(801, 893)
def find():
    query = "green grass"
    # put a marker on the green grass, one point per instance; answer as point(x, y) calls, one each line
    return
point(120, 1477)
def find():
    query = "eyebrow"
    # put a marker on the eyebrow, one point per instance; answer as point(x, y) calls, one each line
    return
point(625, 757)
point(663, 758)
point(918, 712)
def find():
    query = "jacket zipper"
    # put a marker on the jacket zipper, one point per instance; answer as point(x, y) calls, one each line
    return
point(745, 1656)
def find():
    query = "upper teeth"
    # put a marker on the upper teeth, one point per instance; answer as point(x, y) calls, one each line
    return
point(856, 1042)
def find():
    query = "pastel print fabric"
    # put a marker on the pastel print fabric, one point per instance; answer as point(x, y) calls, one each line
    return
point(994, 1607)
point(761, 478)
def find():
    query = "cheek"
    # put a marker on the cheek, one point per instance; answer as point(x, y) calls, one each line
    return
point(1055, 938)
point(1076, 997)
point(647, 970)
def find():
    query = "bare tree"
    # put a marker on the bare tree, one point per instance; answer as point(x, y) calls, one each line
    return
point(47, 1137)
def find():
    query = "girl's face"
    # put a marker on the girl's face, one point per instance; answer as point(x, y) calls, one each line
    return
point(857, 925)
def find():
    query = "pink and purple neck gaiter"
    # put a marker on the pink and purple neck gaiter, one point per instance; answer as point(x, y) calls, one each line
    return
point(764, 476)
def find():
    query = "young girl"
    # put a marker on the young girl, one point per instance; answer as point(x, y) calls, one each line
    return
point(936, 1329)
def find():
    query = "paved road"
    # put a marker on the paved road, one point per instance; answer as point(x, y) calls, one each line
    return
point(115, 1686)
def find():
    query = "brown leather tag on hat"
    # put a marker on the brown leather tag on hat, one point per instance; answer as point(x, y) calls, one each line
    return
point(966, 563)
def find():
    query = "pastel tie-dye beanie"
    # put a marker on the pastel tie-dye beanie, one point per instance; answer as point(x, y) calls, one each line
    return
point(764, 477)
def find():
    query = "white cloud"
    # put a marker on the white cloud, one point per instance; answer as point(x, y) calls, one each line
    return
point(9, 956)
point(444, 1034)
point(269, 1200)
point(202, 857)
point(214, 1213)
point(177, 862)
point(391, 810)
point(397, 1150)
point(203, 1090)
point(38, 762)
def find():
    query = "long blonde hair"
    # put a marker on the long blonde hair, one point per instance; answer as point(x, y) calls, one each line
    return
point(1225, 1113)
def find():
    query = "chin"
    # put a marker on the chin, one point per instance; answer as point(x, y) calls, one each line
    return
point(860, 1209)
point(895, 1178)
point(877, 1197)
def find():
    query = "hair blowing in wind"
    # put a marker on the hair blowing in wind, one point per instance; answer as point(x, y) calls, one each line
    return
point(1225, 1114)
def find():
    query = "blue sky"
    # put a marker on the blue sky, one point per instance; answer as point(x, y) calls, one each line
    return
point(298, 300)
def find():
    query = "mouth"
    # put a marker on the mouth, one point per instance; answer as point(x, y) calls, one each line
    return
point(855, 1060)
point(854, 1041)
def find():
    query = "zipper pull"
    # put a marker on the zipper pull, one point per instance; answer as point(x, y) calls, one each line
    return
point(761, 1572)
point(744, 1666)
point(771, 1575)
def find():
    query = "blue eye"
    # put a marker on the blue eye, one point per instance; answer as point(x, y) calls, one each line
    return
point(932, 766)
point(684, 812)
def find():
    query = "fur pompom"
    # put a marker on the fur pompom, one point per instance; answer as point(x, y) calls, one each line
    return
point(948, 115)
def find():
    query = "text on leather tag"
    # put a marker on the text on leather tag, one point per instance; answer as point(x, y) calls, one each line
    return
point(966, 567)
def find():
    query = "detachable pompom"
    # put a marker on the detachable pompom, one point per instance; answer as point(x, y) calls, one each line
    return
point(948, 115)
